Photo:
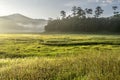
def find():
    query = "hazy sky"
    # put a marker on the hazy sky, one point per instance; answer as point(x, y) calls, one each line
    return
point(51, 8)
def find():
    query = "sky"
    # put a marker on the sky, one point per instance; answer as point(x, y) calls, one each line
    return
point(51, 8)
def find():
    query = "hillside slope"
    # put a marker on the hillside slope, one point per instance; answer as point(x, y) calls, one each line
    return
point(17, 23)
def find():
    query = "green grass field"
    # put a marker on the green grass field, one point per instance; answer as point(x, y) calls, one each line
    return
point(59, 57)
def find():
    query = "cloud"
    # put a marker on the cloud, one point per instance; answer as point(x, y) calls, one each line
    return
point(104, 2)
point(84, 3)
point(73, 3)
point(109, 1)
point(78, 2)
point(92, 1)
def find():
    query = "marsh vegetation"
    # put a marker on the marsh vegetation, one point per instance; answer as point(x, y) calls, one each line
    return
point(59, 57)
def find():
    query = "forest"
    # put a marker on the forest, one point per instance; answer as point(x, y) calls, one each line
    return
point(86, 20)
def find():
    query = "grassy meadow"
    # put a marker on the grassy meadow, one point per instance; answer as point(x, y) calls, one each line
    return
point(59, 57)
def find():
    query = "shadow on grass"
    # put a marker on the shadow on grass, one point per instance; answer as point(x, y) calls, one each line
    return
point(80, 43)
point(15, 55)
point(24, 55)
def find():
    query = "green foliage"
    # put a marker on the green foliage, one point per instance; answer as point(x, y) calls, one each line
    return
point(44, 57)
point(83, 21)
point(85, 25)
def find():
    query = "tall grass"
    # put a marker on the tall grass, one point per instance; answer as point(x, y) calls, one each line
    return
point(28, 57)
point(82, 67)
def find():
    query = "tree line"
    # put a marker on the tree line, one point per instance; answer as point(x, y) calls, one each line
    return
point(85, 20)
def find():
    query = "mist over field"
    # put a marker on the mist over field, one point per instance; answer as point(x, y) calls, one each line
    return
point(18, 23)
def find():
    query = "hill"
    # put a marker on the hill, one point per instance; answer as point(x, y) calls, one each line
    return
point(17, 23)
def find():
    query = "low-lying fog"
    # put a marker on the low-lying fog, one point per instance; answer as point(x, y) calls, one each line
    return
point(18, 23)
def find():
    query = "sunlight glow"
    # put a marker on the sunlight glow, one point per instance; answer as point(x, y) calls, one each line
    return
point(6, 10)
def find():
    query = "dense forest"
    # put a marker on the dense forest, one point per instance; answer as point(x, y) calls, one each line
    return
point(85, 20)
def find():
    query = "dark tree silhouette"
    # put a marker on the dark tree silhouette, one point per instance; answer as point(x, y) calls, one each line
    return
point(63, 14)
point(80, 12)
point(88, 12)
point(114, 7)
point(98, 11)
point(115, 10)
point(74, 10)
point(77, 23)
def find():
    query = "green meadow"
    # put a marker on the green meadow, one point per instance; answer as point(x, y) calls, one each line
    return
point(59, 57)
